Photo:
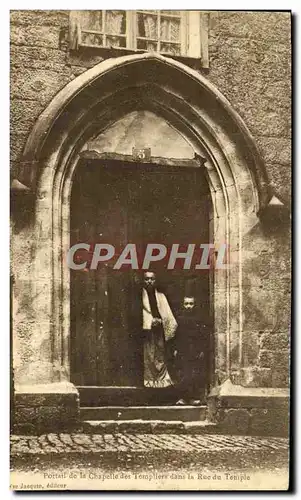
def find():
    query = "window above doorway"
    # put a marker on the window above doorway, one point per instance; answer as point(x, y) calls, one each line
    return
point(173, 33)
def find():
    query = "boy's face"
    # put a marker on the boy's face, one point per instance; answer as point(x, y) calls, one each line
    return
point(189, 303)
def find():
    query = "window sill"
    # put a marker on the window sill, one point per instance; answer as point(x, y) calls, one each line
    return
point(85, 51)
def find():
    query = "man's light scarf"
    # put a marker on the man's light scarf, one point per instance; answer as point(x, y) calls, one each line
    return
point(168, 321)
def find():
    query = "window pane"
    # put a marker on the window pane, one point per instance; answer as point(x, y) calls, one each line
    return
point(115, 22)
point(91, 20)
point(92, 39)
point(147, 45)
point(168, 48)
point(170, 29)
point(115, 41)
point(147, 26)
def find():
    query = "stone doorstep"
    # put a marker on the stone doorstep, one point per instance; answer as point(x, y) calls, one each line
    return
point(157, 413)
point(232, 409)
point(140, 426)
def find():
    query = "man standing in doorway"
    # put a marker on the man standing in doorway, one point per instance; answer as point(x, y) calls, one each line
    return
point(159, 326)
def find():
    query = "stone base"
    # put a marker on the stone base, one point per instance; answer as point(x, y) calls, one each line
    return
point(245, 410)
point(46, 407)
point(163, 413)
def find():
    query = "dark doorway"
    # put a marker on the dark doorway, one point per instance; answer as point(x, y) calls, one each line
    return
point(118, 203)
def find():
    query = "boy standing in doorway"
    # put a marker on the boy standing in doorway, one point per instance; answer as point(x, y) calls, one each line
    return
point(190, 354)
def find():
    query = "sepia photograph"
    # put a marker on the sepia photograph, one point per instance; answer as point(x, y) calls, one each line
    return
point(150, 250)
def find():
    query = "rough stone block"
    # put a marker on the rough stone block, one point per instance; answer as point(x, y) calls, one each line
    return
point(250, 348)
point(44, 399)
point(280, 379)
point(275, 149)
point(135, 427)
point(280, 179)
point(269, 421)
point(274, 341)
point(37, 84)
point(48, 414)
point(82, 60)
point(167, 427)
point(23, 415)
point(220, 376)
point(235, 421)
point(265, 359)
point(17, 144)
point(256, 377)
point(43, 36)
point(49, 407)
point(23, 115)
point(266, 309)
point(252, 84)
point(235, 347)
point(40, 17)
point(256, 25)
point(220, 346)
point(280, 360)
point(38, 58)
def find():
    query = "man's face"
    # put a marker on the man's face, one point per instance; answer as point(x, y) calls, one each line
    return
point(149, 280)
point(188, 303)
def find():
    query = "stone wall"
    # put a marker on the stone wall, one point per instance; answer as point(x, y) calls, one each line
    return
point(250, 63)
point(249, 56)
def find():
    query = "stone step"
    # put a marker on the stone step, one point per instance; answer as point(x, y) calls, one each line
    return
point(147, 427)
point(125, 396)
point(163, 413)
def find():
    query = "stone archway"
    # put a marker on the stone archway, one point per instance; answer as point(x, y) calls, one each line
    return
point(85, 107)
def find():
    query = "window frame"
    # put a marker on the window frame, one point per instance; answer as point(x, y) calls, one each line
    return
point(193, 34)
point(183, 42)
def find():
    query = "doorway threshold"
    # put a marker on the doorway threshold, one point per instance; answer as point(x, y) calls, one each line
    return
point(125, 396)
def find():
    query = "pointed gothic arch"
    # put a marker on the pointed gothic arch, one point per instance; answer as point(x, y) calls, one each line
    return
point(199, 112)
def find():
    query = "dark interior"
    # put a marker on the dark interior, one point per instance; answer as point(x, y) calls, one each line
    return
point(118, 203)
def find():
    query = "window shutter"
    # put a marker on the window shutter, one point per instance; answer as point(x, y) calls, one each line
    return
point(131, 30)
point(184, 32)
point(198, 36)
point(204, 39)
point(74, 29)
point(194, 34)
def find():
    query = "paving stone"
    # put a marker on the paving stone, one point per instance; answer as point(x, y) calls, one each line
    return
point(67, 440)
point(133, 442)
point(34, 445)
point(55, 441)
point(99, 440)
point(46, 447)
point(152, 441)
point(178, 442)
point(18, 448)
point(82, 439)
point(17, 438)
point(160, 442)
point(137, 443)
point(198, 443)
point(110, 442)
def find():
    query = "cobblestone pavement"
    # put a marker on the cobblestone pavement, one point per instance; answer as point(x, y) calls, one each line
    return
point(91, 443)
point(148, 462)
